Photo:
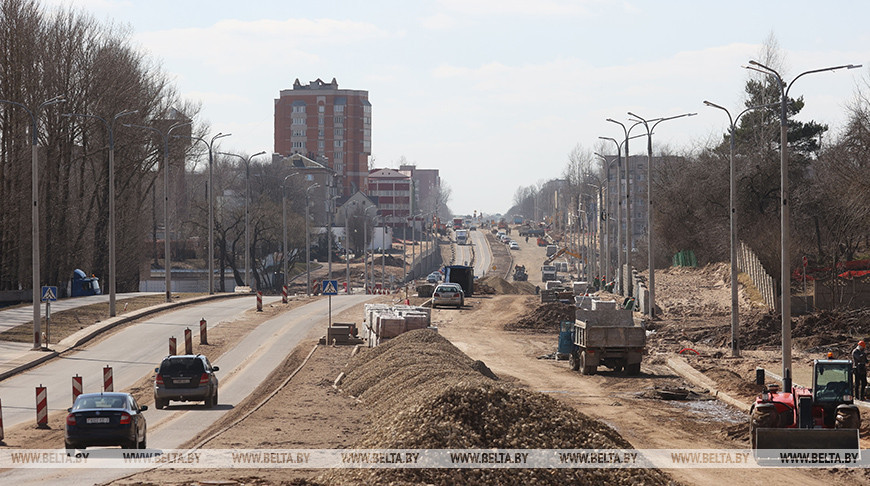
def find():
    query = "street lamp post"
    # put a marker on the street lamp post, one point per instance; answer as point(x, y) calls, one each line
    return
point(308, 240)
point(628, 229)
point(247, 198)
point(210, 145)
point(34, 212)
point(649, 213)
point(785, 286)
point(110, 128)
point(619, 215)
point(605, 242)
point(346, 250)
point(284, 223)
point(166, 238)
point(366, 250)
point(735, 309)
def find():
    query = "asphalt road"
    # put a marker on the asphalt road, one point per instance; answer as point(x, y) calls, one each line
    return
point(136, 350)
point(10, 318)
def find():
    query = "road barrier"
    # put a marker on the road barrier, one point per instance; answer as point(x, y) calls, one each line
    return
point(188, 341)
point(284, 294)
point(259, 301)
point(41, 407)
point(172, 347)
point(108, 380)
point(76, 387)
point(203, 331)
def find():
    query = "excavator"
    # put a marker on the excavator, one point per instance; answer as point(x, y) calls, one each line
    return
point(822, 417)
point(559, 253)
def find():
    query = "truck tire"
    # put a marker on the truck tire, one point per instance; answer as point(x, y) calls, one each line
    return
point(848, 418)
point(574, 361)
point(586, 369)
point(632, 369)
point(761, 417)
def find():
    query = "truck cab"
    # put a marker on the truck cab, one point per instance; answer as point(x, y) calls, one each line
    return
point(548, 272)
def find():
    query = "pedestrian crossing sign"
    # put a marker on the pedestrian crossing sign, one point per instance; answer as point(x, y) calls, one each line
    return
point(330, 287)
point(49, 293)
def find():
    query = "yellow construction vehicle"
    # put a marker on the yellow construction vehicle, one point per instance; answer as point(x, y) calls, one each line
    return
point(559, 253)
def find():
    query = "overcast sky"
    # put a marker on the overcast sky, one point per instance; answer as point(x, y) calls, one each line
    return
point(495, 93)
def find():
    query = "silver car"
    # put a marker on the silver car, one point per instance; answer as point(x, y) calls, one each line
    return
point(448, 294)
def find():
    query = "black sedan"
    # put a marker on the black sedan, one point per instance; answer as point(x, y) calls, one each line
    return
point(105, 419)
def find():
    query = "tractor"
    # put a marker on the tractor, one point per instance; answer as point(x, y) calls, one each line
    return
point(520, 274)
point(821, 417)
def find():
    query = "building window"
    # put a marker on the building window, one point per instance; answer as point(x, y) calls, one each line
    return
point(320, 132)
point(321, 145)
point(339, 133)
point(299, 132)
point(320, 120)
point(299, 109)
point(338, 143)
point(339, 121)
point(338, 155)
point(338, 108)
point(321, 109)
point(299, 120)
point(299, 145)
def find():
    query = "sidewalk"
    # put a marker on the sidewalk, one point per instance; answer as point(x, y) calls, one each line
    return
point(17, 357)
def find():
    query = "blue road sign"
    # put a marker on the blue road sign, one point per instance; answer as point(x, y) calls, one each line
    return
point(330, 287)
point(49, 293)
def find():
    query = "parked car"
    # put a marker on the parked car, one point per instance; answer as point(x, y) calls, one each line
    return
point(448, 294)
point(514, 245)
point(105, 419)
point(433, 277)
point(185, 378)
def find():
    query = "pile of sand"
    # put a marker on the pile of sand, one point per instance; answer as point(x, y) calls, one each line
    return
point(545, 318)
point(428, 395)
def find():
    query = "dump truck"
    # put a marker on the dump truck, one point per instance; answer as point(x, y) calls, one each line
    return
point(822, 417)
point(548, 272)
point(609, 336)
point(520, 274)
point(461, 274)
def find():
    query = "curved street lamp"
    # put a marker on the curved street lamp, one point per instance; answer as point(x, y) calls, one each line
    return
point(167, 257)
point(366, 250)
point(210, 188)
point(34, 211)
point(785, 277)
point(735, 309)
point(247, 162)
point(628, 229)
point(110, 128)
point(649, 214)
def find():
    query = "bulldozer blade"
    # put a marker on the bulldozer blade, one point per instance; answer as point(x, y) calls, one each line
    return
point(842, 439)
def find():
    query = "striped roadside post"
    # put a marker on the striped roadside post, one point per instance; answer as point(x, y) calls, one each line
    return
point(259, 301)
point(108, 379)
point(76, 387)
point(188, 341)
point(284, 294)
point(203, 331)
point(172, 346)
point(41, 407)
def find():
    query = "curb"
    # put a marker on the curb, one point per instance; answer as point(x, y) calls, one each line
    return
point(684, 369)
point(81, 337)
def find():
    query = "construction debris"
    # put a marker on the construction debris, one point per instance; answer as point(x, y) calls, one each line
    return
point(545, 318)
point(428, 395)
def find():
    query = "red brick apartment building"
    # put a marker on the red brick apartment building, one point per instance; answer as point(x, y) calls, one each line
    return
point(320, 120)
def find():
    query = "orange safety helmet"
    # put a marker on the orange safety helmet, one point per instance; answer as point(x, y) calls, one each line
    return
point(862, 344)
point(830, 355)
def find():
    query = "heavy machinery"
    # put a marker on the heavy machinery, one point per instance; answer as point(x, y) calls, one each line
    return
point(520, 274)
point(821, 417)
point(559, 253)
point(607, 335)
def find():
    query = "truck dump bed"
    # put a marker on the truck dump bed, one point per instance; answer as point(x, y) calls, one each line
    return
point(603, 325)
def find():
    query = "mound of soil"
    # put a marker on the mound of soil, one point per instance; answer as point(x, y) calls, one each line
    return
point(452, 406)
point(501, 286)
point(545, 318)
point(387, 261)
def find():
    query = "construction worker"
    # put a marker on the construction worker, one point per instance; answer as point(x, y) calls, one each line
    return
point(859, 369)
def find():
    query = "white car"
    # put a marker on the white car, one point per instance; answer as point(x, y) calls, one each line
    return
point(514, 245)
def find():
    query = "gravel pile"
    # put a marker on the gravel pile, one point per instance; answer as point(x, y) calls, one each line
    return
point(545, 318)
point(502, 286)
point(429, 396)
